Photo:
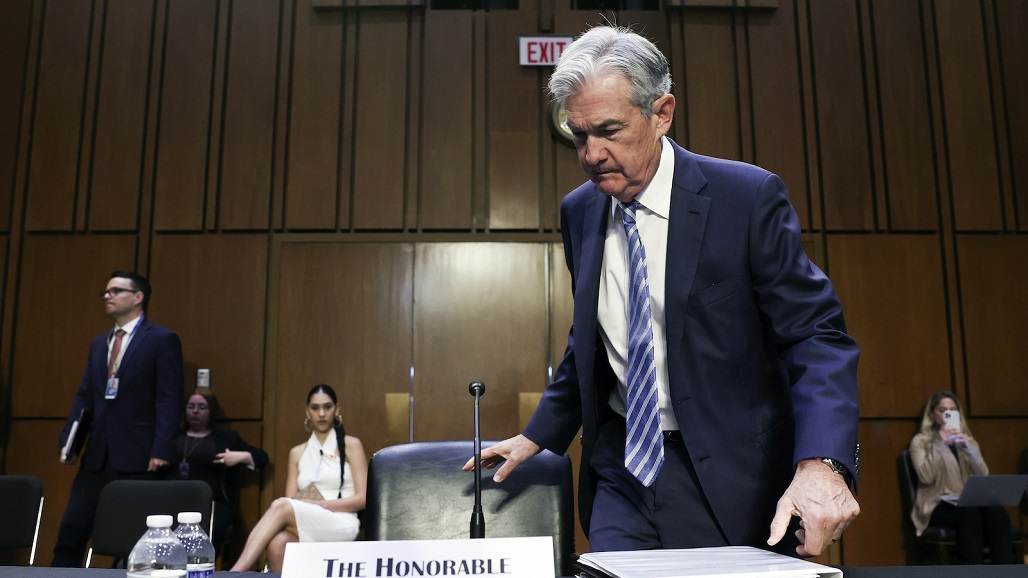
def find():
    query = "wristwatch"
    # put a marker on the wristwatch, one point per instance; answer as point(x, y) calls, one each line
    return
point(849, 477)
point(837, 467)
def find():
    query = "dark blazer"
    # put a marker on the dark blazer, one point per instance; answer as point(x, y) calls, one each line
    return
point(762, 374)
point(141, 422)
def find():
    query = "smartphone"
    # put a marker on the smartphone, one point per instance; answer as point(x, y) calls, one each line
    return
point(951, 419)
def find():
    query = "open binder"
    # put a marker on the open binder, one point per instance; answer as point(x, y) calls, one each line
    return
point(719, 562)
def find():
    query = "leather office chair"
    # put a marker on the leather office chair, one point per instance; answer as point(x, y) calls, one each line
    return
point(417, 491)
point(21, 498)
point(124, 505)
point(937, 540)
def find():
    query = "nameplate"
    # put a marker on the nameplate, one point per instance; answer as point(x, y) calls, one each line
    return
point(482, 558)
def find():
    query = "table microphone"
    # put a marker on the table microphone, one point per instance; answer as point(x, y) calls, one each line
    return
point(477, 389)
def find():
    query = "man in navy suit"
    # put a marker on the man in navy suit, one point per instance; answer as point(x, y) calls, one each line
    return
point(753, 372)
point(130, 405)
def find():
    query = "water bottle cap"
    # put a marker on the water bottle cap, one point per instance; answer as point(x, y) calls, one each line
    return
point(158, 521)
point(189, 517)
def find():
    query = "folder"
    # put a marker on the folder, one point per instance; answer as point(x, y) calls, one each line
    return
point(70, 451)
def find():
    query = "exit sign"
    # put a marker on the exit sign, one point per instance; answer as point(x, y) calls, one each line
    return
point(542, 50)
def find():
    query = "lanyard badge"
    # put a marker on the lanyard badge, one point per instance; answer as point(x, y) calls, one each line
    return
point(111, 391)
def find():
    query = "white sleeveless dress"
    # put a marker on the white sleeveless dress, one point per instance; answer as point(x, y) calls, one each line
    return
point(319, 465)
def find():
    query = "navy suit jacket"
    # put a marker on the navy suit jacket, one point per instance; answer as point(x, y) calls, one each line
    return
point(762, 374)
point(141, 422)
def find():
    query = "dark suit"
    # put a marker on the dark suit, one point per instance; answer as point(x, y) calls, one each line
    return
point(125, 432)
point(761, 372)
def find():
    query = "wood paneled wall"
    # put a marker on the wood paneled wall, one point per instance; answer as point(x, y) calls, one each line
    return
point(368, 198)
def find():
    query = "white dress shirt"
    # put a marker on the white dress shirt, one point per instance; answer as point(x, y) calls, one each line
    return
point(612, 312)
point(129, 328)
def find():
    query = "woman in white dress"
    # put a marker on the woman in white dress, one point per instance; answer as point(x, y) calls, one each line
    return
point(327, 485)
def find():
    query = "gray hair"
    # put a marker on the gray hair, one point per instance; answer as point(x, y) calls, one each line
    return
point(605, 50)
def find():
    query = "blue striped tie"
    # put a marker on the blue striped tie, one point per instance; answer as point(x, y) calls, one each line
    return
point(644, 448)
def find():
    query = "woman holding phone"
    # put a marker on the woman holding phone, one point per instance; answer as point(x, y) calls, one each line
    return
point(945, 454)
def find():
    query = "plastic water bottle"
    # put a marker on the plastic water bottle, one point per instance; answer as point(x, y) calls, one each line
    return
point(158, 554)
point(199, 550)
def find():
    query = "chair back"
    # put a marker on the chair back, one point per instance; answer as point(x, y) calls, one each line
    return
point(124, 505)
point(21, 498)
point(908, 496)
point(418, 491)
point(907, 481)
point(1022, 468)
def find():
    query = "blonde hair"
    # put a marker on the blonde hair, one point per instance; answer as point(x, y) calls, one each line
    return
point(928, 425)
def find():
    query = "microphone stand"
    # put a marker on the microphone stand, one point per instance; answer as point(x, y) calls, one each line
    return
point(477, 389)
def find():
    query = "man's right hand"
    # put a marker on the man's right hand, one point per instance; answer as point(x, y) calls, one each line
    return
point(510, 452)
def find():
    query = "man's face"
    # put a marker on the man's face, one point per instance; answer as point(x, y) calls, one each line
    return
point(618, 147)
point(120, 298)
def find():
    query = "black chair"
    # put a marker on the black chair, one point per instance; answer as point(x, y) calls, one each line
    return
point(936, 542)
point(229, 545)
point(124, 505)
point(417, 491)
point(22, 504)
point(1022, 468)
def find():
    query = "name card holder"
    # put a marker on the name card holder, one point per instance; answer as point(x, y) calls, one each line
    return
point(482, 558)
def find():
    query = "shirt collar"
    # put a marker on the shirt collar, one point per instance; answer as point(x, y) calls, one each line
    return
point(656, 197)
point(130, 326)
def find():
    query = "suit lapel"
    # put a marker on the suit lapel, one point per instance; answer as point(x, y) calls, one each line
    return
point(588, 282)
point(137, 341)
point(587, 290)
point(686, 226)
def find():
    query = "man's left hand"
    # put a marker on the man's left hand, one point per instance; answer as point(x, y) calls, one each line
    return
point(822, 501)
point(156, 464)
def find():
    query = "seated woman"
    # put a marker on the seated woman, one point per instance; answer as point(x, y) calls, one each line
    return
point(215, 456)
point(944, 456)
point(328, 482)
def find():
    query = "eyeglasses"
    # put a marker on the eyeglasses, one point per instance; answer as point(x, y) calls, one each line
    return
point(115, 291)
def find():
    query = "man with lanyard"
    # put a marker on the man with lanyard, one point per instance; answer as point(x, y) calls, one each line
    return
point(129, 405)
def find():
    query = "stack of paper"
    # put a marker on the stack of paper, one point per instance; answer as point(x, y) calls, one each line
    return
point(726, 561)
